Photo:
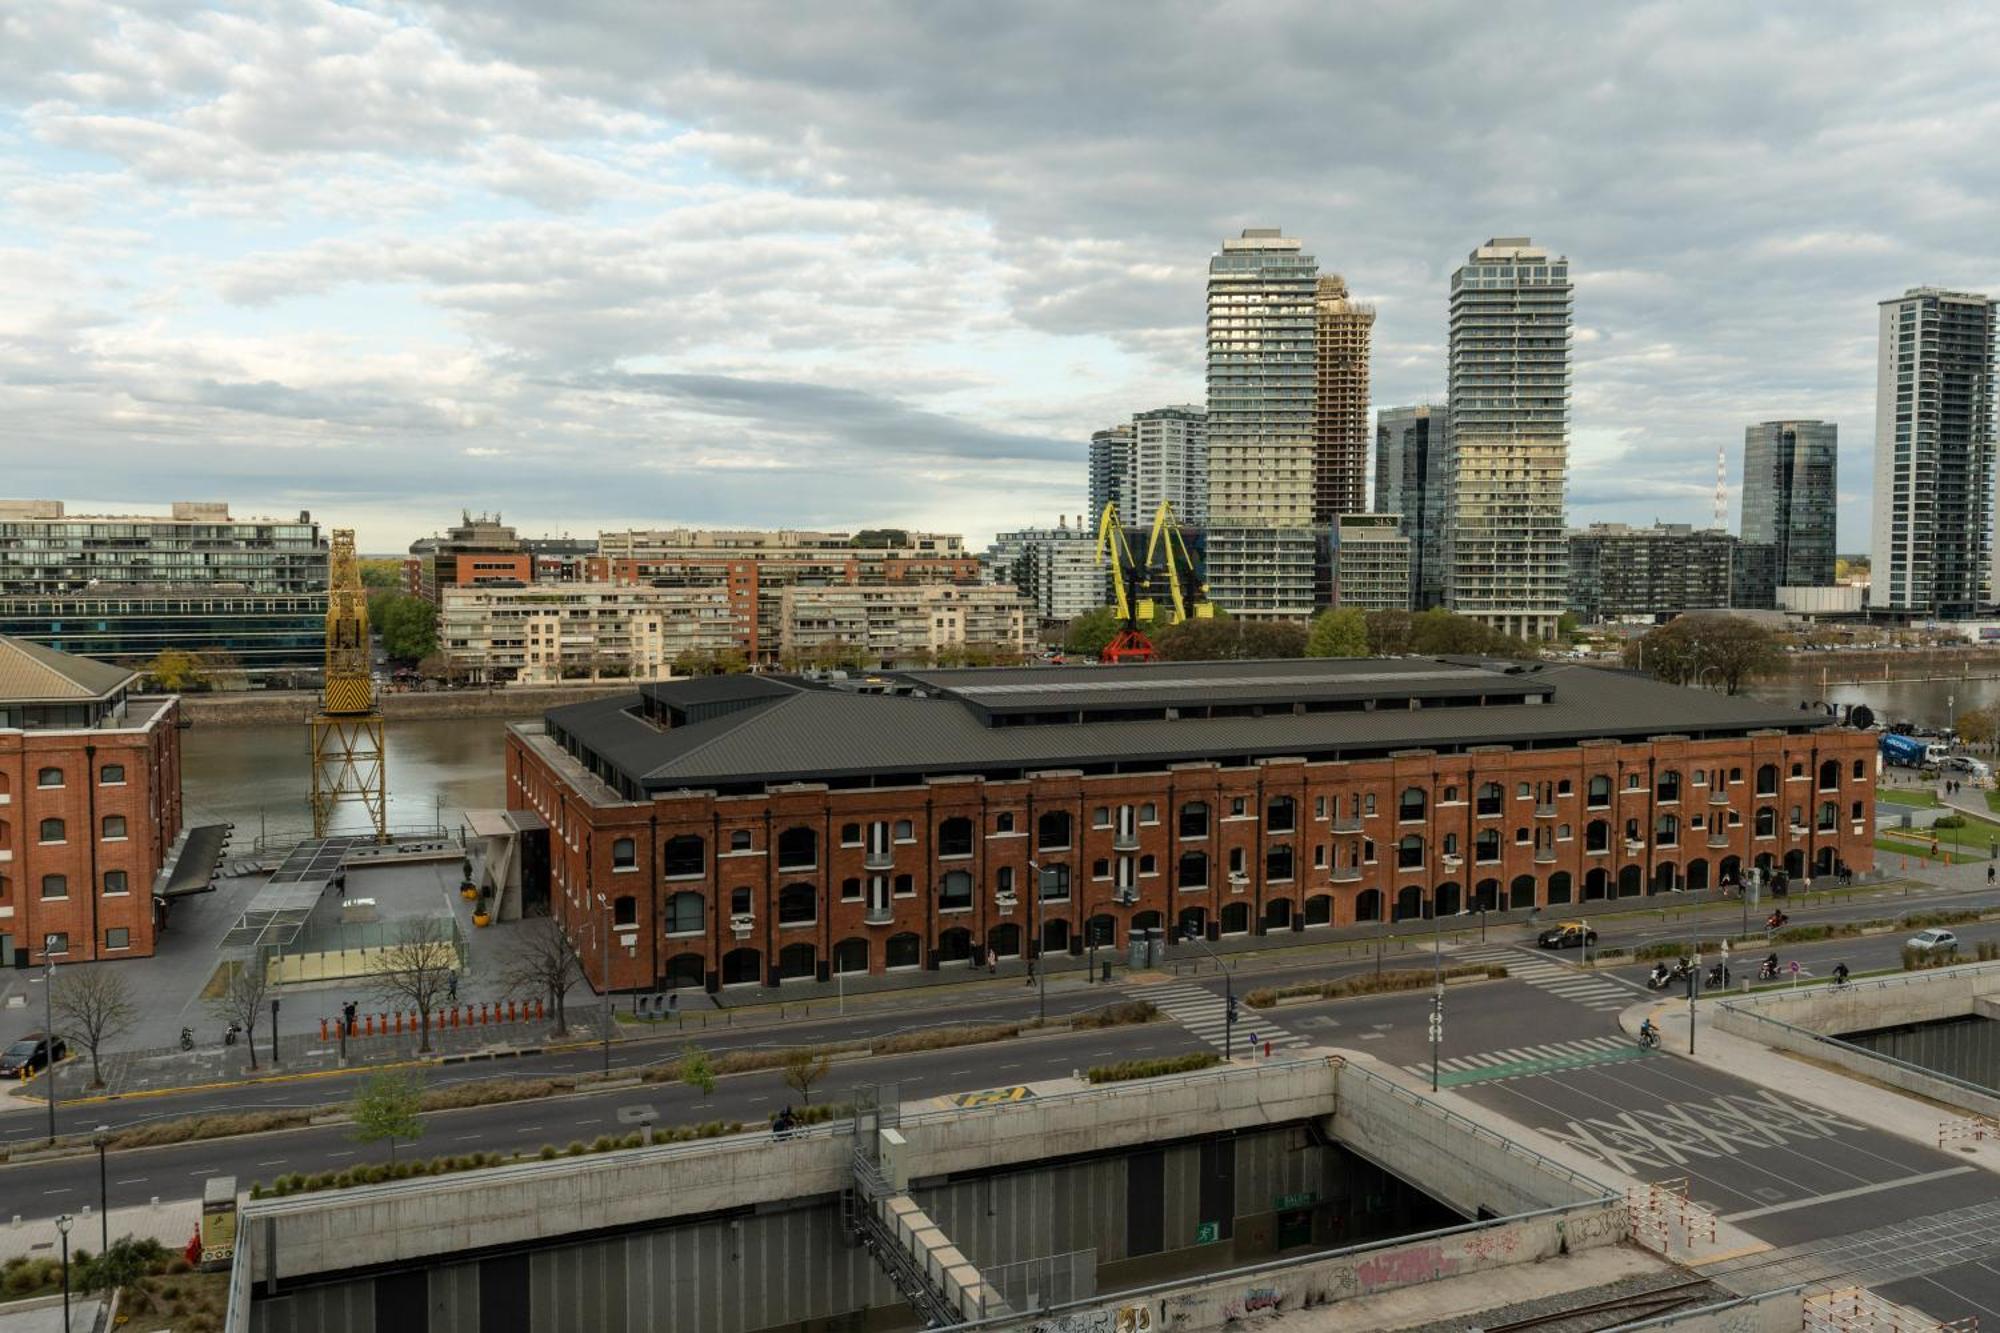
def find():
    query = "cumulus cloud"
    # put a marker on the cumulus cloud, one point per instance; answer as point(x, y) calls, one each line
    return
point(892, 262)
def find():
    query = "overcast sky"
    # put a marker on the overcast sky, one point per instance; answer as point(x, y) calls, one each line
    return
point(619, 261)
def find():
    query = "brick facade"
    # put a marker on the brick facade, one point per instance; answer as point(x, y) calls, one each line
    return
point(90, 781)
point(1537, 827)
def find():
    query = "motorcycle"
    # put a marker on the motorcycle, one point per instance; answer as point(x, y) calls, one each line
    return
point(1681, 971)
point(1768, 970)
point(231, 1033)
point(1776, 921)
point(1717, 978)
point(1661, 978)
point(187, 1039)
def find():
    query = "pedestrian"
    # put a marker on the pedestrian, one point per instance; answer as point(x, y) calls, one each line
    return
point(1989, 876)
point(451, 987)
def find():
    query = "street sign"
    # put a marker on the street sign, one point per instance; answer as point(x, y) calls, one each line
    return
point(1207, 1233)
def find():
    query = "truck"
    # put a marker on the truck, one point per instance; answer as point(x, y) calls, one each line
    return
point(1909, 751)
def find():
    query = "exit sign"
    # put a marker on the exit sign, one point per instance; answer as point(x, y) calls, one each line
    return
point(1304, 1199)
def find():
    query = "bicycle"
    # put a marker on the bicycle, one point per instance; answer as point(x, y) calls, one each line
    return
point(1649, 1039)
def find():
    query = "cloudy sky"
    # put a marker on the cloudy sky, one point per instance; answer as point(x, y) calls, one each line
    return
point(620, 261)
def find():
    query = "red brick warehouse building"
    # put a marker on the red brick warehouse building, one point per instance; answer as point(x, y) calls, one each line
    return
point(747, 830)
point(90, 807)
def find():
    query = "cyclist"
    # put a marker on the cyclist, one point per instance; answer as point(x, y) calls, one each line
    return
point(1648, 1034)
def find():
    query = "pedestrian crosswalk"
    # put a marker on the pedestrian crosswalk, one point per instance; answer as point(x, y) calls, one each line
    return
point(1592, 992)
point(1204, 1013)
point(1531, 1061)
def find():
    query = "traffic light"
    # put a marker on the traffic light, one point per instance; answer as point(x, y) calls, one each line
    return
point(1232, 1009)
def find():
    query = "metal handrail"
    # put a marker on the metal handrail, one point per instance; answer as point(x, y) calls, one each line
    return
point(1742, 1006)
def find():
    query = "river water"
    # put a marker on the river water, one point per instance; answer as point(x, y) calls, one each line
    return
point(259, 777)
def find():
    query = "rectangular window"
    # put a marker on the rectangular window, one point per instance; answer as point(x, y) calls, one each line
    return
point(118, 937)
point(55, 886)
point(116, 883)
point(112, 775)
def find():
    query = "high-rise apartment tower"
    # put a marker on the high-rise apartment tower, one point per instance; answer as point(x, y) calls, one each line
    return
point(1410, 457)
point(1509, 364)
point(1261, 322)
point(1170, 464)
point(1790, 496)
point(1933, 530)
point(1111, 472)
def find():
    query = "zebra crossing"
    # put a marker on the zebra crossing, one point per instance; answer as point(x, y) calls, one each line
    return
point(1531, 1061)
point(1592, 992)
point(1205, 1014)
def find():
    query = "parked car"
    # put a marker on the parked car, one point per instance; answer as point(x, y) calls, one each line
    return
point(30, 1055)
point(1567, 935)
point(1933, 940)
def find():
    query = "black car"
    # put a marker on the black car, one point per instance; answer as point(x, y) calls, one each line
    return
point(30, 1055)
point(1567, 935)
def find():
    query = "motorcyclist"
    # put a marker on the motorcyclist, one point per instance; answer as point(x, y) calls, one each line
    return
point(1775, 920)
point(1770, 968)
point(1660, 976)
point(1840, 974)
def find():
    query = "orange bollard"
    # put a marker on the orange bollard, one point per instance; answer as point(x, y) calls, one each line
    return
point(322, 1029)
point(399, 1022)
point(510, 1011)
point(454, 1015)
point(368, 1029)
point(482, 1013)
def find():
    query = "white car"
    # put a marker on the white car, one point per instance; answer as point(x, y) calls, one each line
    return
point(1932, 941)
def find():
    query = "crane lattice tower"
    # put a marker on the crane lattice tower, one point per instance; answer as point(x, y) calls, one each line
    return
point(348, 755)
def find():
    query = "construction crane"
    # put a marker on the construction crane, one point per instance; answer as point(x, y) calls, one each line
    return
point(1130, 644)
point(1166, 540)
point(348, 756)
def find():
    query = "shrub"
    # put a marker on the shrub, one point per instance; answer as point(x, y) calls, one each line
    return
point(1116, 1015)
point(548, 1152)
point(1153, 1068)
point(1949, 821)
point(1370, 983)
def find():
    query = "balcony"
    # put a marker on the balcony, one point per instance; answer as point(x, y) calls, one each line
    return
point(1545, 856)
point(1346, 824)
point(878, 860)
point(1546, 810)
point(742, 924)
point(1125, 842)
point(1799, 830)
point(878, 916)
point(1718, 797)
point(1718, 840)
point(1005, 903)
point(1347, 874)
point(1634, 846)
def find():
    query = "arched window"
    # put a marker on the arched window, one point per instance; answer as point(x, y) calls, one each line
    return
point(1410, 853)
point(624, 910)
point(685, 971)
point(1055, 936)
point(1668, 786)
point(1004, 941)
point(903, 950)
point(112, 775)
point(1280, 815)
point(49, 777)
point(1235, 918)
point(1486, 845)
point(1559, 888)
point(1319, 911)
point(1667, 831)
point(1767, 822)
point(1829, 816)
point(685, 913)
point(798, 848)
point(797, 904)
point(624, 853)
point(955, 945)
point(1052, 831)
point(955, 837)
point(851, 955)
point(685, 855)
point(1598, 795)
point(55, 886)
point(1829, 775)
point(850, 836)
point(1450, 845)
point(955, 890)
point(1597, 836)
point(1410, 805)
point(798, 961)
point(1055, 882)
point(1489, 799)
point(53, 831)
point(1368, 905)
point(1767, 780)
point(739, 840)
point(1193, 872)
point(1278, 862)
point(1194, 819)
point(742, 967)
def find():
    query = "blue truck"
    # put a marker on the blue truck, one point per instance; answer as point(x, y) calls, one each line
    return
point(1909, 751)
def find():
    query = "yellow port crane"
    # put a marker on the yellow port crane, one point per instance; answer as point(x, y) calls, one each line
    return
point(348, 755)
point(1166, 540)
point(1130, 644)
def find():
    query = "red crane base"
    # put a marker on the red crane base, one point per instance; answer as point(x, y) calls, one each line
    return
point(1129, 646)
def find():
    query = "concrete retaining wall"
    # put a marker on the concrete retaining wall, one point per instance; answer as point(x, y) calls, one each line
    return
point(1476, 1171)
point(1226, 1301)
point(1767, 1312)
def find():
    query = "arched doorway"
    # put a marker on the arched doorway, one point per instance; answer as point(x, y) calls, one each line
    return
point(1730, 872)
point(1765, 864)
point(1486, 896)
point(1055, 936)
point(1559, 888)
point(904, 950)
point(1278, 914)
point(1448, 898)
point(685, 971)
point(1596, 884)
point(1631, 882)
point(1697, 874)
point(1795, 863)
point(1101, 930)
point(1319, 911)
point(1368, 905)
point(1004, 941)
point(1666, 878)
point(1823, 863)
point(797, 962)
point(1409, 903)
point(1521, 893)
point(1147, 920)
point(851, 955)
point(742, 967)
point(955, 946)
point(1235, 918)
point(1191, 921)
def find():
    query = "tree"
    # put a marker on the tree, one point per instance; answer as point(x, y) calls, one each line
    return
point(242, 999)
point(406, 624)
point(1707, 648)
point(386, 1107)
point(123, 1264)
point(175, 671)
point(1089, 633)
point(1230, 640)
point(697, 1070)
point(1978, 726)
point(803, 1068)
point(542, 961)
point(1389, 632)
point(1341, 632)
point(93, 1005)
point(1566, 626)
point(381, 574)
point(417, 969)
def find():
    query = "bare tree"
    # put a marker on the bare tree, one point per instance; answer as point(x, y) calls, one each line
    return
point(242, 999)
point(542, 961)
point(417, 970)
point(803, 1068)
point(92, 1006)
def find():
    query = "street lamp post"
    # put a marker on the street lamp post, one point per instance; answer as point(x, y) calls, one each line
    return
point(1694, 989)
point(63, 1225)
point(49, 1031)
point(604, 948)
point(1037, 965)
point(1193, 933)
point(274, 1030)
point(101, 1140)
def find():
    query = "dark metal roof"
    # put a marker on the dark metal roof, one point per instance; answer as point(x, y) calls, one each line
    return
point(812, 734)
point(194, 869)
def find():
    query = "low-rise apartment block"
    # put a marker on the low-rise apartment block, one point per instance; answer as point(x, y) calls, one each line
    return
point(902, 625)
point(546, 633)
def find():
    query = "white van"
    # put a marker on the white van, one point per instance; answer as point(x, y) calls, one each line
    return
point(1977, 769)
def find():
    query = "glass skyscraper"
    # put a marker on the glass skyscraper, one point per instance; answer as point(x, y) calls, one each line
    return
point(1506, 556)
point(1790, 497)
point(1410, 457)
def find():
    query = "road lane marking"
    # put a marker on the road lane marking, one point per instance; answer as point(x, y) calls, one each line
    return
point(63, 1190)
point(1855, 1193)
point(276, 1161)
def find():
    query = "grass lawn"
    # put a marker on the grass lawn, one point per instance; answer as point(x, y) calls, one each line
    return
point(1975, 838)
point(1993, 801)
point(1915, 796)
